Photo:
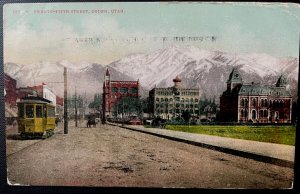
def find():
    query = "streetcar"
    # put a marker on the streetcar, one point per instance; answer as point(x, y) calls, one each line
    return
point(36, 117)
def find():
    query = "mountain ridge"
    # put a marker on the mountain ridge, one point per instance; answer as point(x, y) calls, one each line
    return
point(198, 68)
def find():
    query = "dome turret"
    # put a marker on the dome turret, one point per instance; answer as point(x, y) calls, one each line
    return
point(177, 82)
point(177, 79)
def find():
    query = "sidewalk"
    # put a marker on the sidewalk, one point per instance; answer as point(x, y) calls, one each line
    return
point(278, 154)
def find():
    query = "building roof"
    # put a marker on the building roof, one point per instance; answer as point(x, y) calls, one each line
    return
point(256, 89)
point(281, 81)
point(235, 76)
point(177, 79)
point(107, 72)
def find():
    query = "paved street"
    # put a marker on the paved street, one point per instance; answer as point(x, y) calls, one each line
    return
point(112, 156)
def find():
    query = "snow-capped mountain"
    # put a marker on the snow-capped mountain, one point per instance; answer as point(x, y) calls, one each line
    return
point(87, 77)
point(206, 70)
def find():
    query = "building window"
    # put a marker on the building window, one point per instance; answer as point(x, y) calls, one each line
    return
point(262, 102)
point(281, 104)
point(246, 102)
point(253, 114)
point(265, 113)
point(242, 102)
point(261, 113)
point(276, 116)
point(133, 90)
point(166, 99)
point(266, 102)
point(242, 113)
point(157, 99)
point(114, 90)
point(196, 100)
point(171, 99)
point(161, 99)
point(254, 102)
point(124, 90)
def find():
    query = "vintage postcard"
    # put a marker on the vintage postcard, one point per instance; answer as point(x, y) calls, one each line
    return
point(151, 94)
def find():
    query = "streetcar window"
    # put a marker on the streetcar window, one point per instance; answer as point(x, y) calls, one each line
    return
point(51, 112)
point(45, 111)
point(21, 110)
point(29, 111)
point(39, 112)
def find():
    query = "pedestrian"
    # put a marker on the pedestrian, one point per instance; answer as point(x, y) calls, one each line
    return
point(14, 123)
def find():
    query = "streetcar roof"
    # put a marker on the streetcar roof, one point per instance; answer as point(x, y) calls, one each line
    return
point(32, 102)
point(35, 99)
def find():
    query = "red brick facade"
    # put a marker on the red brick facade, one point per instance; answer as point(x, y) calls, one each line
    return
point(113, 91)
point(10, 86)
point(255, 102)
point(59, 101)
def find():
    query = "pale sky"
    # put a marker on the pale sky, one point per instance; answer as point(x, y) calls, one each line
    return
point(101, 35)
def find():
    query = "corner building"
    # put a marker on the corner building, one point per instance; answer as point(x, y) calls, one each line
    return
point(171, 102)
point(113, 91)
point(255, 102)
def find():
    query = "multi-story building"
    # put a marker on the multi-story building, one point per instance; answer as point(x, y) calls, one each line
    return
point(40, 90)
point(171, 102)
point(255, 102)
point(113, 91)
point(10, 90)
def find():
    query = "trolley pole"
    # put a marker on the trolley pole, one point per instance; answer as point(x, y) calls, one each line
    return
point(76, 124)
point(65, 102)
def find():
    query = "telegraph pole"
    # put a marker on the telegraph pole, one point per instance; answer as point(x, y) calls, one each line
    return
point(75, 108)
point(65, 102)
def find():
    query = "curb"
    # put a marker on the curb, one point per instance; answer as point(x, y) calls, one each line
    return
point(254, 156)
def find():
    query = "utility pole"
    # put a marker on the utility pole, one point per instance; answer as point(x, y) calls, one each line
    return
point(65, 102)
point(123, 113)
point(76, 124)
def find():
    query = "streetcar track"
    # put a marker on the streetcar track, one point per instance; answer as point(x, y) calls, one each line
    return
point(38, 141)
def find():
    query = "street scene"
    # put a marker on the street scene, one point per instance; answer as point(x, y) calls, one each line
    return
point(120, 95)
point(110, 156)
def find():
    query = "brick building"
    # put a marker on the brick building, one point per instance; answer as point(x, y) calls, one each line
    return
point(113, 91)
point(169, 103)
point(255, 102)
point(10, 90)
point(40, 90)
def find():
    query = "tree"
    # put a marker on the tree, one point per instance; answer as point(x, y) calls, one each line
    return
point(186, 115)
point(97, 102)
point(71, 101)
point(128, 106)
